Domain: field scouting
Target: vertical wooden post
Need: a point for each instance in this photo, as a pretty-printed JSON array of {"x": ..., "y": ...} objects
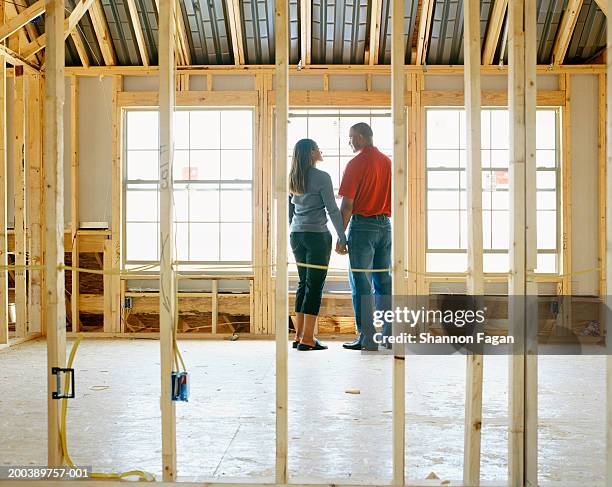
[
  {"x": 116, "y": 220},
  {"x": 215, "y": 305},
  {"x": 566, "y": 198},
  {"x": 602, "y": 176},
  {"x": 35, "y": 211},
  {"x": 74, "y": 198},
  {"x": 475, "y": 278},
  {"x": 167, "y": 281},
  {"x": 107, "y": 265},
  {"x": 281, "y": 301},
  {"x": 19, "y": 161},
  {"x": 4, "y": 332},
  {"x": 55, "y": 308},
  {"x": 608, "y": 257},
  {"x": 399, "y": 211},
  {"x": 522, "y": 312}
]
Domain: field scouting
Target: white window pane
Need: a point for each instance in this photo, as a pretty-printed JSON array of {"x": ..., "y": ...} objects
[
  {"x": 204, "y": 241},
  {"x": 500, "y": 131},
  {"x": 443, "y": 200},
  {"x": 499, "y": 158},
  {"x": 545, "y": 129},
  {"x": 463, "y": 159},
  {"x": 546, "y": 180},
  {"x": 443, "y": 229},
  {"x": 181, "y": 241},
  {"x": 181, "y": 164},
  {"x": 181, "y": 129},
  {"x": 486, "y": 199},
  {"x": 142, "y": 130},
  {"x": 443, "y": 158},
  {"x": 205, "y": 164},
  {"x": 343, "y": 163},
  {"x": 463, "y": 229},
  {"x": 546, "y": 200},
  {"x": 181, "y": 207},
  {"x": 435, "y": 262},
  {"x": 236, "y": 241},
  {"x": 142, "y": 164},
  {"x": 236, "y": 204},
  {"x": 547, "y": 263},
  {"x": 204, "y": 202},
  {"x": 331, "y": 165},
  {"x": 498, "y": 180},
  {"x": 141, "y": 206},
  {"x": 462, "y": 130},
  {"x": 325, "y": 131},
  {"x": 495, "y": 263},
  {"x": 205, "y": 129},
  {"x": 443, "y": 129},
  {"x": 236, "y": 164},
  {"x": 546, "y": 158},
  {"x": 500, "y": 232},
  {"x": 296, "y": 130},
  {"x": 443, "y": 179},
  {"x": 237, "y": 129},
  {"x": 485, "y": 129},
  {"x": 383, "y": 133},
  {"x": 500, "y": 200},
  {"x": 486, "y": 229},
  {"x": 141, "y": 241},
  {"x": 547, "y": 229}
]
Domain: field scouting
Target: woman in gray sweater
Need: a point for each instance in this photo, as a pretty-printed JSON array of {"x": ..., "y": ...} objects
[{"x": 311, "y": 196}]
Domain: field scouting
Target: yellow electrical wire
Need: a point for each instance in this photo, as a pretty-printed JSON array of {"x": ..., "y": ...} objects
[{"x": 141, "y": 474}]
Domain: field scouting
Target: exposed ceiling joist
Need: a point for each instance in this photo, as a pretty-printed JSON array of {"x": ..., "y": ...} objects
[
  {"x": 140, "y": 41},
  {"x": 375, "y": 23},
  {"x": 182, "y": 34},
  {"x": 23, "y": 36},
  {"x": 424, "y": 29},
  {"x": 306, "y": 32},
  {"x": 22, "y": 19},
  {"x": 235, "y": 25},
  {"x": 566, "y": 29},
  {"x": 603, "y": 6},
  {"x": 494, "y": 29},
  {"x": 103, "y": 35},
  {"x": 80, "y": 47},
  {"x": 69, "y": 25},
  {"x": 17, "y": 60}
]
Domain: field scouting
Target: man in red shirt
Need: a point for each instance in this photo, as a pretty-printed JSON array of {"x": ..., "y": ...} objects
[{"x": 366, "y": 203}]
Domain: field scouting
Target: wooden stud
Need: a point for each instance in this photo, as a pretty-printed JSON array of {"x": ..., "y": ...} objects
[
  {"x": 326, "y": 82},
  {"x": 22, "y": 19},
  {"x": 108, "y": 283},
  {"x": 608, "y": 261},
  {"x": 69, "y": 25},
  {"x": 306, "y": 32},
  {"x": 398, "y": 191},
  {"x": 35, "y": 207},
  {"x": 494, "y": 28},
  {"x": 602, "y": 177},
  {"x": 251, "y": 306},
  {"x": 4, "y": 331},
  {"x": 566, "y": 29},
  {"x": 55, "y": 310},
  {"x": 413, "y": 204},
  {"x": 281, "y": 302},
  {"x": 475, "y": 281},
  {"x": 74, "y": 197},
  {"x": 566, "y": 213},
  {"x": 215, "y": 305},
  {"x": 371, "y": 52},
  {"x": 117, "y": 202},
  {"x": 103, "y": 35},
  {"x": 140, "y": 41},
  {"x": 209, "y": 82},
  {"x": 167, "y": 278},
  {"x": 425, "y": 19},
  {"x": 235, "y": 26},
  {"x": 19, "y": 171}
]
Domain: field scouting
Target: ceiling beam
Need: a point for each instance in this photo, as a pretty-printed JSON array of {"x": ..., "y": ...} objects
[
  {"x": 181, "y": 34},
  {"x": 142, "y": 47},
  {"x": 76, "y": 37},
  {"x": 103, "y": 35},
  {"x": 375, "y": 23},
  {"x": 306, "y": 32},
  {"x": 603, "y": 6},
  {"x": 566, "y": 29},
  {"x": 496, "y": 20},
  {"x": 424, "y": 29},
  {"x": 235, "y": 26},
  {"x": 22, "y": 19},
  {"x": 17, "y": 60},
  {"x": 69, "y": 25},
  {"x": 26, "y": 34}
]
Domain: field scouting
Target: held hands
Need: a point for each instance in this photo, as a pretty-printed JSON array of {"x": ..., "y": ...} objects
[{"x": 341, "y": 248}]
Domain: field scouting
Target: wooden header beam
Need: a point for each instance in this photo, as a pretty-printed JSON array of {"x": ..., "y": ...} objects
[
  {"x": 566, "y": 29},
  {"x": 494, "y": 29},
  {"x": 22, "y": 19}
]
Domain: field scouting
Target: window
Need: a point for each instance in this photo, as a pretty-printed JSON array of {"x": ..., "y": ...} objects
[
  {"x": 213, "y": 185},
  {"x": 329, "y": 128},
  {"x": 446, "y": 190}
]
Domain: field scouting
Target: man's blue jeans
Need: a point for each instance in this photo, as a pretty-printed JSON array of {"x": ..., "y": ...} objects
[{"x": 369, "y": 241}]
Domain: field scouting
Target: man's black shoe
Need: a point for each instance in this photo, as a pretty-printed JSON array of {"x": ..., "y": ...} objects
[{"x": 354, "y": 345}]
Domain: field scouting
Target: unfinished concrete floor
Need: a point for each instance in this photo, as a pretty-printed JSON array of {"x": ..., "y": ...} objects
[{"x": 226, "y": 430}]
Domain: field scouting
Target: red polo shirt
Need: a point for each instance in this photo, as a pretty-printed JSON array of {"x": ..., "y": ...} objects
[{"x": 367, "y": 181}]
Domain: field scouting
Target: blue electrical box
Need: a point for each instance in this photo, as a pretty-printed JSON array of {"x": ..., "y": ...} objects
[{"x": 180, "y": 386}]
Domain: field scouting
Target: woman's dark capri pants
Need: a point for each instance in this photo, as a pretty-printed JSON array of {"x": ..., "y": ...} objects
[{"x": 310, "y": 248}]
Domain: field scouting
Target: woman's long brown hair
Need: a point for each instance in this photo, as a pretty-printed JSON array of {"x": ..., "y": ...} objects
[{"x": 301, "y": 163}]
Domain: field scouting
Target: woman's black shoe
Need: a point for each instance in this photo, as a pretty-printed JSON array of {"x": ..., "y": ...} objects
[
  {"x": 317, "y": 346},
  {"x": 296, "y": 343}
]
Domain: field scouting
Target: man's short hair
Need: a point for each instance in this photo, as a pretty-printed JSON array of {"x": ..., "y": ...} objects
[{"x": 363, "y": 129}]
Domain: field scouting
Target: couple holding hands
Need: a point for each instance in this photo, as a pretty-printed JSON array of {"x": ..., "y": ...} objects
[{"x": 365, "y": 209}]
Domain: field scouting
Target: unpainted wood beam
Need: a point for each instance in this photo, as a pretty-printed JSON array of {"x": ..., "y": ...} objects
[
  {"x": 235, "y": 25},
  {"x": 98, "y": 19},
  {"x": 494, "y": 29},
  {"x": 22, "y": 19},
  {"x": 566, "y": 29},
  {"x": 140, "y": 41},
  {"x": 375, "y": 23},
  {"x": 424, "y": 28}
]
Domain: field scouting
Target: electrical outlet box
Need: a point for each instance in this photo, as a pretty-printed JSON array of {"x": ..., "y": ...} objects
[{"x": 127, "y": 302}]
